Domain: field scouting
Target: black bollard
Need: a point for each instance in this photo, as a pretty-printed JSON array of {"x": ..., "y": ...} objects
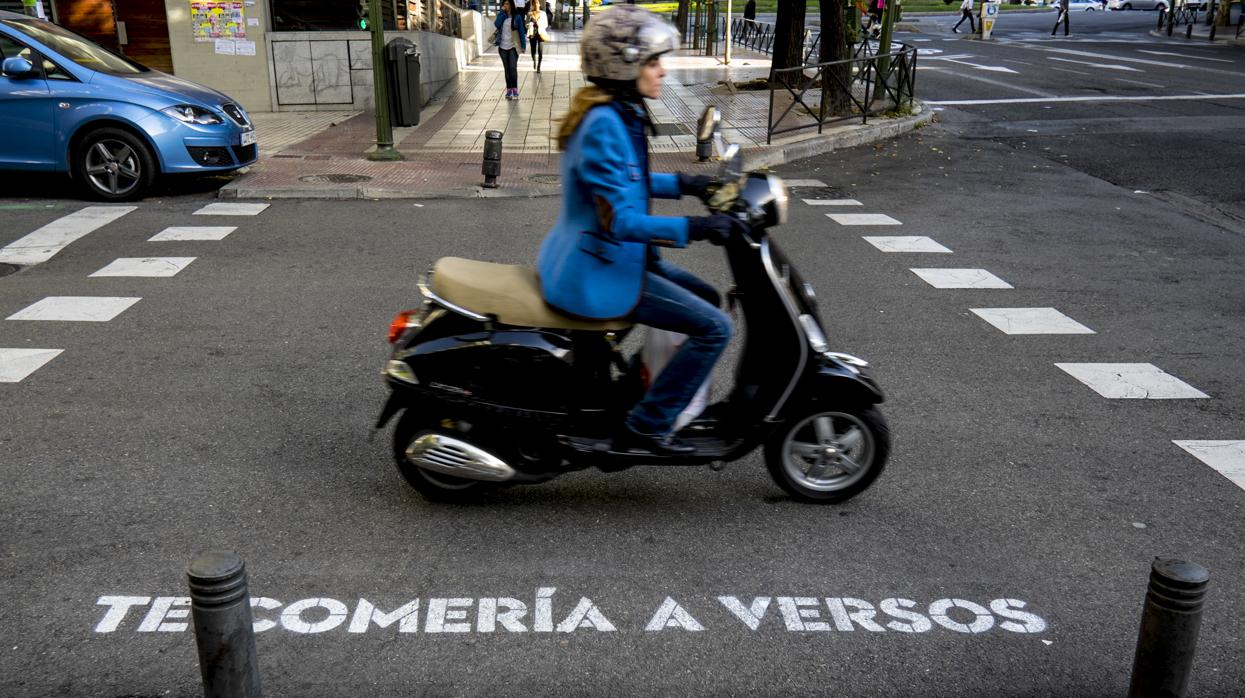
[
  {"x": 492, "y": 158},
  {"x": 1170, "y": 622},
  {"x": 221, "y": 609}
]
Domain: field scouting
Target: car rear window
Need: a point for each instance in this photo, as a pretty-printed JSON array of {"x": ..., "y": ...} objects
[{"x": 78, "y": 49}]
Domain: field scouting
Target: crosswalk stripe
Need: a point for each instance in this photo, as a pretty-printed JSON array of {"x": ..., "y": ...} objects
[
  {"x": 1030, "y": 321},
  {"x": 907, "y": 243},
  {"x": 960, "y": 278},
  {"x": 191, "y": 232},
  {"x": 1131, "y": 381},
  {"x": 145, "y": 266},
  {"x": 804, "y": 183},
  {"x": 832, "y": 202},
  {"x": 1226, "y": 457},
  {"x": 44, "y": 243},
  {"x": 17, "y": 364},
  {"x": 75, "y": 308},
  {"x": 862, "y": 219},
  {"x": 228, "y": 209}
]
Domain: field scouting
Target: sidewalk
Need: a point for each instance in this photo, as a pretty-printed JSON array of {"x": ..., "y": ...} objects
[
  {"x": 1201, "y": 32},
  {"x": 444, "y": 152}
]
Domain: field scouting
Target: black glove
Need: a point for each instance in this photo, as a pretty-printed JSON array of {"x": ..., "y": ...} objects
[
  {"x": 702, "y": 187},
  {"x": 717, "y": 228}
]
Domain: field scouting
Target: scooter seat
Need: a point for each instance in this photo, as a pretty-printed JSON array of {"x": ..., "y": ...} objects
[{"x": 508, "y": 292}]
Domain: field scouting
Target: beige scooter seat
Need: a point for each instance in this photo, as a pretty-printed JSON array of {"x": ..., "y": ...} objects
[{"x": 509, "y": 292}]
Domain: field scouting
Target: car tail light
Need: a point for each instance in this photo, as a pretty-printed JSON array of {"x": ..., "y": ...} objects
[{"x": 403, "y": 321}]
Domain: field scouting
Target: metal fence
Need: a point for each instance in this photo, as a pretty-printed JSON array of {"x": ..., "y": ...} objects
[
  {"x": 870, "y": 84},
  {"x": 759, "y": 36}
]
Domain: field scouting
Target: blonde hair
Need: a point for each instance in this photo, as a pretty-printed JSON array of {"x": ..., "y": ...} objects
[{"x": 586, "y": 98}]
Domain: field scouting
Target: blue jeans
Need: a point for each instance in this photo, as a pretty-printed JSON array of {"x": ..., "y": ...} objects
[{"x": 676, "y": 300}]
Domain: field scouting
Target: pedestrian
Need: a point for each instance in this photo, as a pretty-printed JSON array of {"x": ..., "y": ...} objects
[
  {"x": 876, "y": 8},
  {"x": 750, "y": 18},
  {"x": 537, "y": 33},
  {"x": 549, "y": 13},
  {"x": 1062, "y": 6},
  {"x": 966, "y": 12},
  {"x": 511, "y": 38},
  {"x": 601, "y": 260}
]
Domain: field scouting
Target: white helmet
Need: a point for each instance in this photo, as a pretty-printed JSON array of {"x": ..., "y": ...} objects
[{"x": 618, "y": 41}]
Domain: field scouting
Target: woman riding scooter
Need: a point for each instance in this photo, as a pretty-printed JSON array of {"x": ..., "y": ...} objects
[{"x": 601, "y": 260}]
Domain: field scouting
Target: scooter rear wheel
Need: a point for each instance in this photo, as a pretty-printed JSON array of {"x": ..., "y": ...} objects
[
  {"x": 829, "y": 455},
  {"x": 434, "y": 486}
]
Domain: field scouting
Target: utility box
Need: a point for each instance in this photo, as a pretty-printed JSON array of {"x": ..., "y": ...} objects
[{"x": 402, "y": 78}]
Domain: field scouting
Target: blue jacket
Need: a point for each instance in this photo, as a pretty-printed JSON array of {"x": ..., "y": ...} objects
[
  {"x": 592, "y": 263},
  {"x": 520, "y": 26}
]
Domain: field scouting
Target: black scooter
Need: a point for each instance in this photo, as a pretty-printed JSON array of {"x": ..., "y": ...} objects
[{"x": 495, "y": 387}]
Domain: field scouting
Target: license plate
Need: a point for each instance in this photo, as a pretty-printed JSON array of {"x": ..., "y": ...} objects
[{"x": 248, "y": 138}]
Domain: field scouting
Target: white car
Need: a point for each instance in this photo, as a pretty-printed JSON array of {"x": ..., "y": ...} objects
[
  {"x": 1159, "y": 5},
  {"x": 1084, "y": 6}
]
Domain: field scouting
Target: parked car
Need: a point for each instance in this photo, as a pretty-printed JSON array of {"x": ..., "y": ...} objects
[
  {"x": 1159, "y": 5},
  {"x": 70, "y": 105},
  {"x": 1084, "y": 6}
]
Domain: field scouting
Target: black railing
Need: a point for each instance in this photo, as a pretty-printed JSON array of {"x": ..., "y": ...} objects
[
  {"x": 759, "y": 36},
  {"x": 867, "y": 85}
]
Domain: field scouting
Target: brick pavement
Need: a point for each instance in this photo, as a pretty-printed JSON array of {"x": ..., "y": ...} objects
[{"x": 444, "y": 152}]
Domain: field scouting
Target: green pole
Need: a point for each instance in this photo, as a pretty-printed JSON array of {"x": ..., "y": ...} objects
[
  {"x": 884, "y": 41},
  {"x": 384, "y": 131}
]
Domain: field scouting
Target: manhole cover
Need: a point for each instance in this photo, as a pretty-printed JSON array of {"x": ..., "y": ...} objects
[
  {"x": 6, "y": 269},
  {"x": 334, "y": 178},
  {"x": 545, "y": 179}
]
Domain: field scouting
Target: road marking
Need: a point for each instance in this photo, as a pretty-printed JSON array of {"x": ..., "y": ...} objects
[
  {"x": 145, "y": 266},
  {"x": 1143, "y": 61},
  {"x": 44, "y": 243},
  {"x": 1086, "y": 98},
  {"x": 231, "y": 210},
  {"x": 862, "y": 219},
  {"x": 1141, "y": 82},
  {"x": 960, "y": 278},
  {"x": 75, "y": 308},
  {"x": 1131, "y": 381},
  {"x": 1226, "y": 457},
  {"x": 959, "y": 60},
  {"x": 1104, "y": 66},
  {"x": 804, "y": 183},
  {"x": 907, "y": 243},
  {"x": 17, "y": 364},
  {"x": 192, "y": 233},
  {"x": 1181, "y": 55},
  {"x": 832, "y": 202},
  {"x": 1030, "y": 321},
  {"x": 1069, "y": 70}
]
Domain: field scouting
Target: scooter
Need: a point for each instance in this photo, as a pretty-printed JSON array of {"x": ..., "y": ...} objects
[{"x": 497, "y": 388}]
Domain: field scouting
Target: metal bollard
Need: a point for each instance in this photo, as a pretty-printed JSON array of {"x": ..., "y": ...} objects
[
  {"x": 1170, "y": 622},
  {"x": 492, "y": 158},
  {"x": 221, "y": 609}
]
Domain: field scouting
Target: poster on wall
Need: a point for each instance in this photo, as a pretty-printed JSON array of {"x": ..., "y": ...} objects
[{"x": 217, "y": 19}]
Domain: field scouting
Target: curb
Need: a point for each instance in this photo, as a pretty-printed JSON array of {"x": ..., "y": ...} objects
[{"x": 754, "y": 158}]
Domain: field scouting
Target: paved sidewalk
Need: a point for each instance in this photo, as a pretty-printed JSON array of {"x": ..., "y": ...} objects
[{"x": 444, "y": 152}]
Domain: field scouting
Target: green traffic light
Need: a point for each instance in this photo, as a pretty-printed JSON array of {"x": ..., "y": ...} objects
[{"x": 362, "y": 23}]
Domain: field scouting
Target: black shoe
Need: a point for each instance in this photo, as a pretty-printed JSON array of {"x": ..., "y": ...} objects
[{"x": 670, "y": 445}]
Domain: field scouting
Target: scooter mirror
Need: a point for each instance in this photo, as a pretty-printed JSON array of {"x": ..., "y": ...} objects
[{"x": 710, "y": 124}]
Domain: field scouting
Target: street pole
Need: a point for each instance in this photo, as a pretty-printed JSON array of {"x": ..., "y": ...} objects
[
  {"x": 384, "y": 132},
  {"x": 729, "y": 12},
  {"x": 884, "y": 41}
]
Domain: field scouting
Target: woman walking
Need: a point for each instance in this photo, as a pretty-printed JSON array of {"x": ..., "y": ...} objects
[
  {"x": 601, "y": 259},
  {"x": 537, "y": 32},
  {"x": 511, "y": 38}
]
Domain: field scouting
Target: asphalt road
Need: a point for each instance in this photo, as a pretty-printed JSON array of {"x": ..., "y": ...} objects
[{"x": 231, "y": 406}]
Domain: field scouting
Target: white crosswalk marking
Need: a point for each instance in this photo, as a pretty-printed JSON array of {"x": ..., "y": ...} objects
[
  {"x": 179, "y": 233},
  {"x": 145, "y": 266},
  {"x": 832, "y": 202},
  {"x": 862, "y": 219},
  {"x": 960, "y": 278},
  {"x": 1031, "y": 321},
  {"x": 17, "y": 364},
  {"x": 906, "y": 243},
  {"x": 44, "y": 243},
  {"x": 1131, "y": 381},
  {"x": 1107, "y": 66},
  {"x": 804, "y": 183},
  {"x": 1226, "y": 457},
  {"x": 75, "y": 308},
  {"x": 222, "y": 209}
]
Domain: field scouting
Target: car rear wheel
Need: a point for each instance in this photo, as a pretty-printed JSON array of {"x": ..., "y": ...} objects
[{"x": 114, "y": 165}]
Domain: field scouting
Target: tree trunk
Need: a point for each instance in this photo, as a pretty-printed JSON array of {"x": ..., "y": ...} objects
[
  {"x": 680, "y": 18},
  {"x": 836, "y": 81},
  {"x": 789, "y": 39}
]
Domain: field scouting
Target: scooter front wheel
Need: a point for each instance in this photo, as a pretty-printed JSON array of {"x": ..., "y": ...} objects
[
  {"x": 433, "y": 485},
  {"x": 831, "y": 455}
]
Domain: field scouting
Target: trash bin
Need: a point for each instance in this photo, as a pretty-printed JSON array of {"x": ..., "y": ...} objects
[{"x": 402, "y": 79}]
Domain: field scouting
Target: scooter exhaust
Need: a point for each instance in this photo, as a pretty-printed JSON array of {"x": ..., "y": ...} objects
[{"x": 449, "y": 456}]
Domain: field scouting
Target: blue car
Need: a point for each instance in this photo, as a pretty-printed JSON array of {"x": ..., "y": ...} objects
[{"x": 70, "y": 105}]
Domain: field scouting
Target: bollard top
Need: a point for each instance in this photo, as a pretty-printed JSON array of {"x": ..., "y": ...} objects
[
  {"x": 1180, "y": 572},
  {"x": 215, "y": 566},
  {"x": 493, "y": 134}
]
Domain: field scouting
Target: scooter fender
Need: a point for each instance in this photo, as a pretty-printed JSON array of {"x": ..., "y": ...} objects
[{"x": 838, "y": 379}]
